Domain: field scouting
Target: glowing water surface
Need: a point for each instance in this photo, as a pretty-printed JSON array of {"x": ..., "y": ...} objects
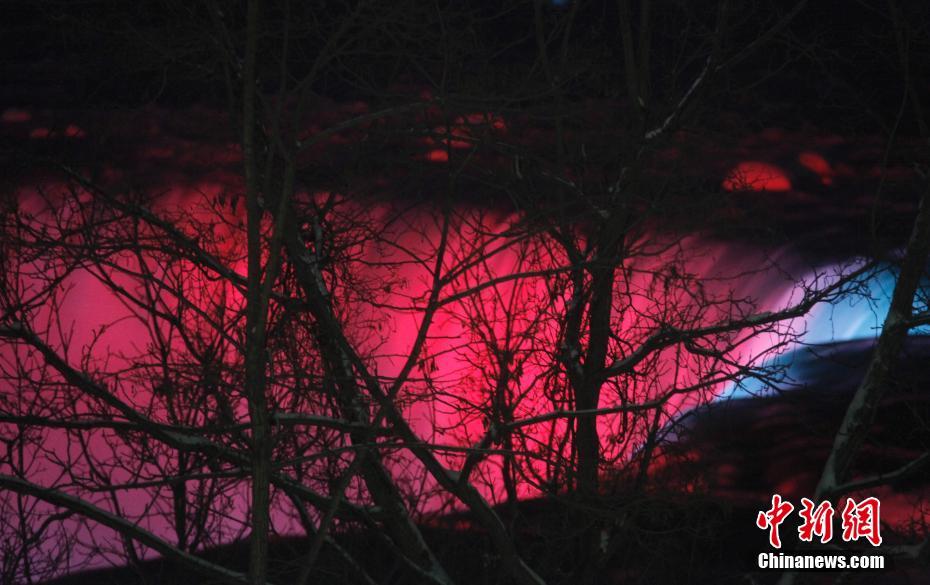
[{"x": 448, "y": 399}]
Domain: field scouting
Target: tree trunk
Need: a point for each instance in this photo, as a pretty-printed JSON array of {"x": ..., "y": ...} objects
[{"x": 861, "y": 411}]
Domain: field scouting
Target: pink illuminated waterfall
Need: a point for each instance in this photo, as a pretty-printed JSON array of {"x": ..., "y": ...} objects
[{"x": 498, "y": 318}]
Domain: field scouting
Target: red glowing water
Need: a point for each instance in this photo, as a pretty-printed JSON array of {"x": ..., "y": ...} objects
[
  {"x": 756, "y": 176},
  {"x": 449, "y": 397}
]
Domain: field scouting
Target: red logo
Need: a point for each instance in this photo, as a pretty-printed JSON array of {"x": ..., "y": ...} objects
[
  {"x": 817, "y": 521},
  {"x": 773, "y": 518},
  {"x": 860, "y": 520}
]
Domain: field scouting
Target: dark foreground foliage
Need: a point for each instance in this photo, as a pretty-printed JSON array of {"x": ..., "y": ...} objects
[{"x": 728, "y": 459}]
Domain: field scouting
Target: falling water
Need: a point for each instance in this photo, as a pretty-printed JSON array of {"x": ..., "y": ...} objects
[{"x": 448, "y": 392}]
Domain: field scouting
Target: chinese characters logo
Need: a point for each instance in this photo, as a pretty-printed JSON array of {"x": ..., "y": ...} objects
[{"x": 859, "y": 520}]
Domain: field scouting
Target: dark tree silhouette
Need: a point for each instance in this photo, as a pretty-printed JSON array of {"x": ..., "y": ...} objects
[{"x": 446, "y": 264}]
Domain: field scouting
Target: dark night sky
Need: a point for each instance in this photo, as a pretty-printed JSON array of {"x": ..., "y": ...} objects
[{"x": 832, "y": 73}]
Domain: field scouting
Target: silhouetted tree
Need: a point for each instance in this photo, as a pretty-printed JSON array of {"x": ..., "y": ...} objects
[{"x": 288, "y": 328}]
